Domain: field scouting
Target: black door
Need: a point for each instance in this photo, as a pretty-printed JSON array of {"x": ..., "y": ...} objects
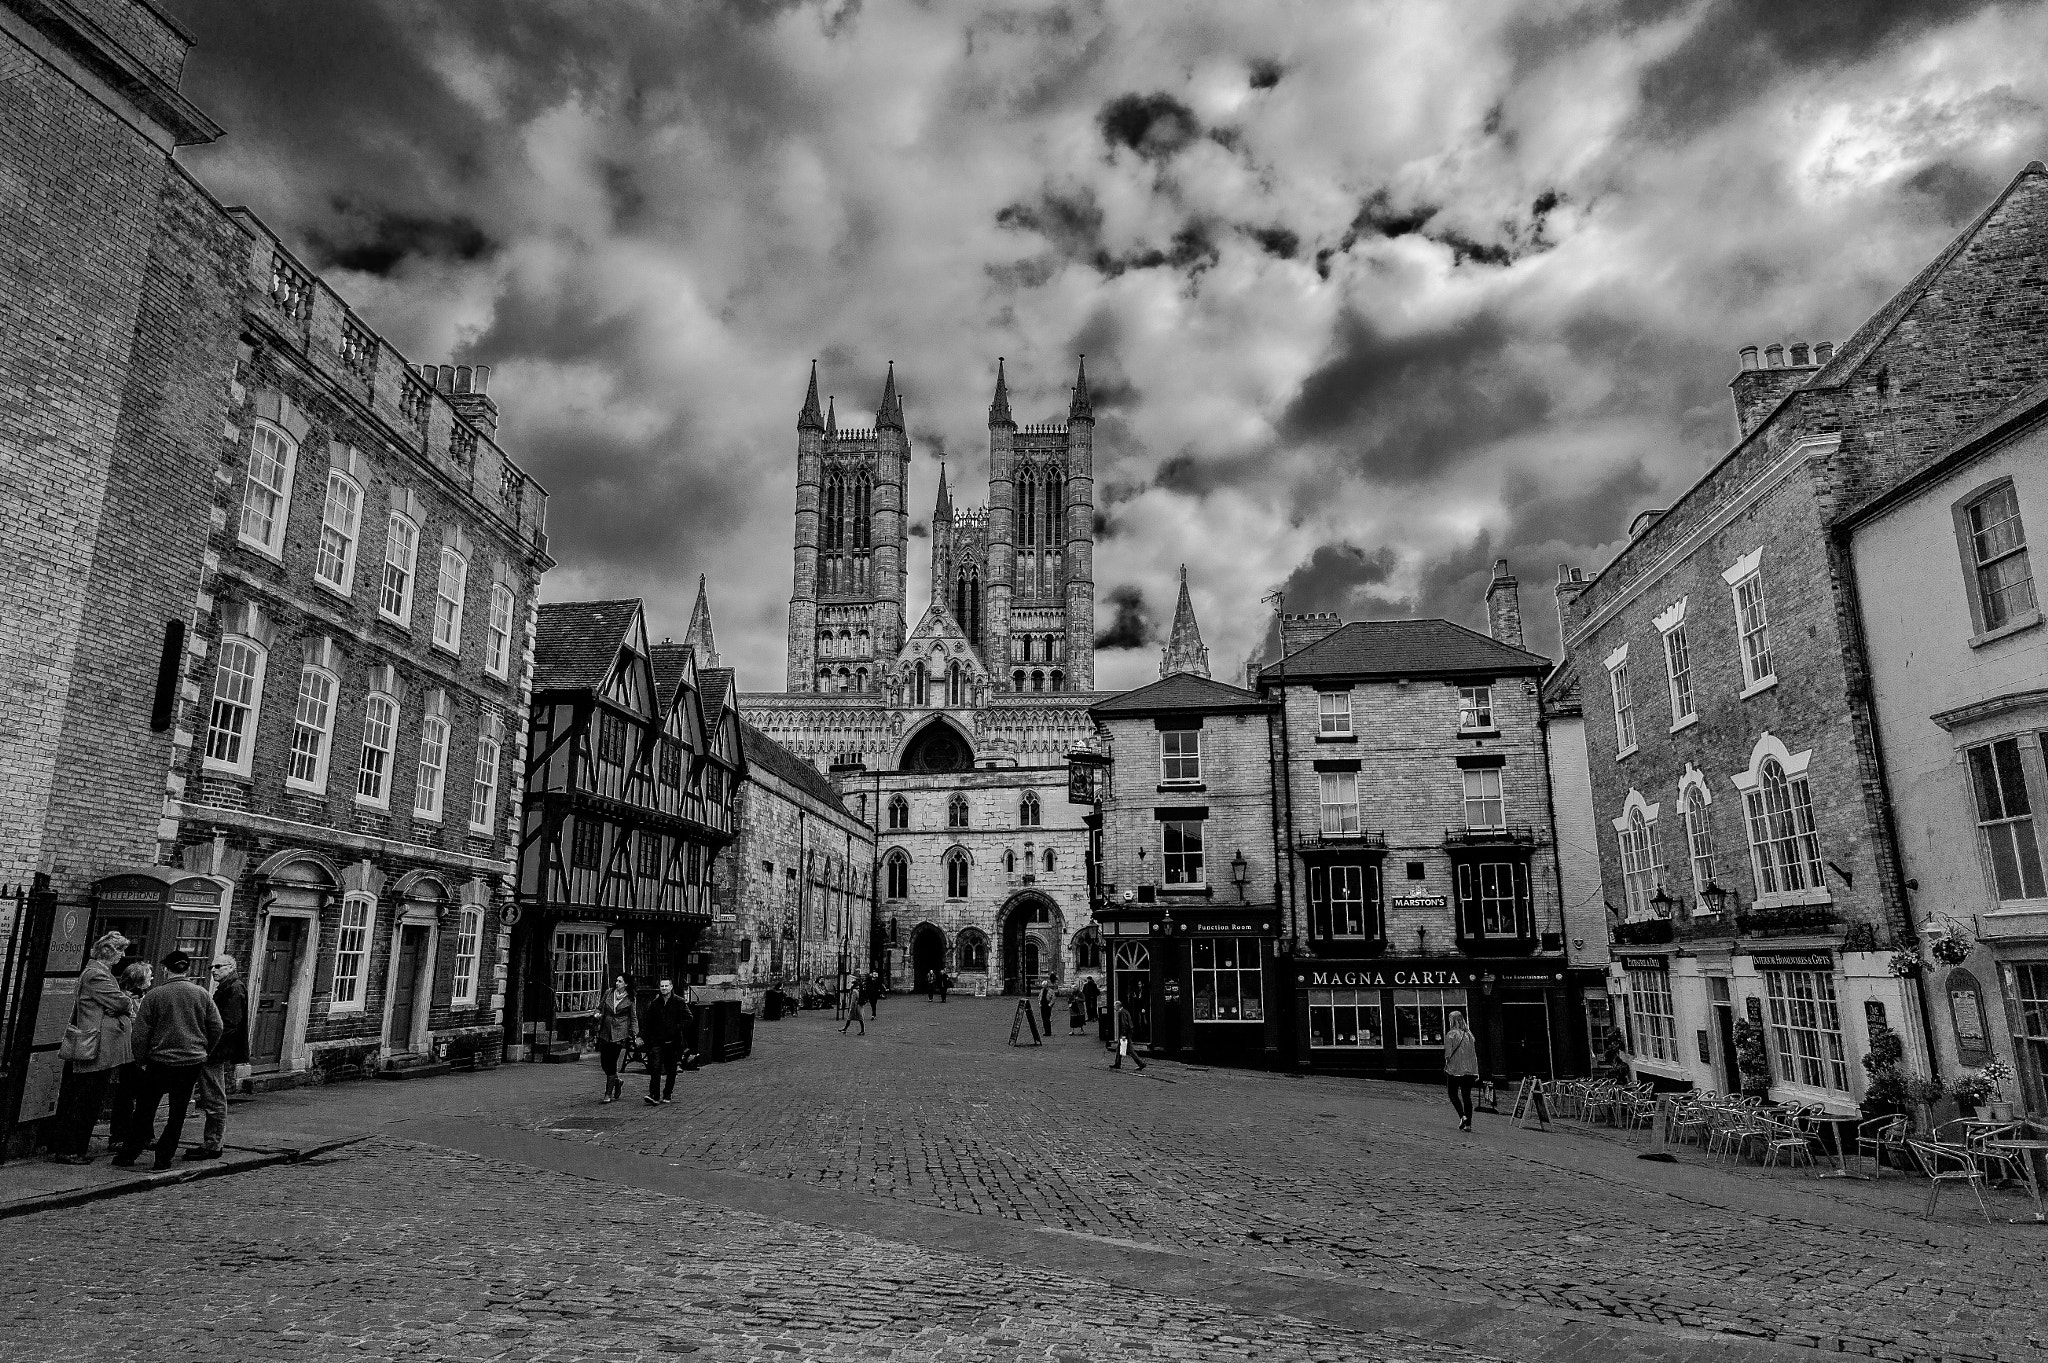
[
  {"x": 412, "y": 950},
  {"x": 274, "y": 976},
  {"x": 1133, "y": 965},
  {"x": 1724, "y": 1024},
  {"x": 927, "y": 954},
  {"x": 1525, "y": 1038}
]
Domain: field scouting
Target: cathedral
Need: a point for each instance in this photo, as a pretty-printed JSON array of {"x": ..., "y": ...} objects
[{"x": 950, "y": 736}]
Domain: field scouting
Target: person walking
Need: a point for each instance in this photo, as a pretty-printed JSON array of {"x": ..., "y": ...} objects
[
  {"x": 220, "y": 1073},
  {"x": 1091, "y": 994},
  {"x": 1045, "y": 1009},
  {"x": 661, "y": 1028},
  {"x": 874, "y": 996},
  {"x": 176, "y": 1028},
  {"x": 616, "y": 1029},
  {"x": 96, "y": 1044},
  {"x": 1461, "y": 1066},
  {"x": 850, "y": 996},
  {"x": 1124, "y": 1046},
  {"x": 945, "y": 985},
  {"x": 1077, "y": 1019}
]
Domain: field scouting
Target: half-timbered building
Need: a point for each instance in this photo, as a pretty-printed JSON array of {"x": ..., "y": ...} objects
[{"x": 629, "y": 795}]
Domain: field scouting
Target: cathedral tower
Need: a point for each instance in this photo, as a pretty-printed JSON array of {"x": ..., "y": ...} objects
[
  {"x": 1184, "y": 651},
  {"x": 846, "y": 602}
]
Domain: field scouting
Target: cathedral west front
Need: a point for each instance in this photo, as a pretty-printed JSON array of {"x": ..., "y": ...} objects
[{"x": 950, "y": 735}]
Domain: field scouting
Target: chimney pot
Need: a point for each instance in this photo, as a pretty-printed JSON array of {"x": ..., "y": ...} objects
[
  {"x": 1774, "y": 356},
  {"x": 1749, "y": 357},
  {"x": 1824, "y": 352},
  {"x": 482, "y": 378},
  {"x": 1799, "y": 355},
  {"x": 462, "y": 378}
]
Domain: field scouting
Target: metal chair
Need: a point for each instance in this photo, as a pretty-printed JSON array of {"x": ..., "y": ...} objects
[
  {"x": 1945, "y": 1163},
  {"x": 1793, "y": 1140},
  {"x": 1880, "y": 1136},
  {"x": 2006, "y": 1162}
]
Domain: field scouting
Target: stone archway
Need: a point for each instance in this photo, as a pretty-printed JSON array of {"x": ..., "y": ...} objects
[
  {"x": 939, "y": 745},
  {"x": 927, "y": 953},
  {"x": 1033, "y": 929}
]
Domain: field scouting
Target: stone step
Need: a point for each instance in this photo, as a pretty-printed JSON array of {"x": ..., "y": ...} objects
[{"x": 409, "y": 1069}]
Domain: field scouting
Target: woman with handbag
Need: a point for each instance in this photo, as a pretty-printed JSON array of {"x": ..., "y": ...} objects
[
  {"x": 132, "y": 1092},
  {"x": 617, "y": 1028},
  {"x": 95, "y": 1044}
]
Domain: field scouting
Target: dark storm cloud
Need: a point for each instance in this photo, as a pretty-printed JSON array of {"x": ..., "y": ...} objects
[
  {"x": 1331, "y": 576},
  {"x": 1954, "y": 193},
  {"x": 377, "y": 242},
  {"x": 632, "y": 502},
  {"x": 1404, "y": 408},
  {"x": 1265, "y": 73},
  {"x": 1155, "y": 126},
  {"x": 1276, "y": 241},
  {"x": 1129, "y": 627}
]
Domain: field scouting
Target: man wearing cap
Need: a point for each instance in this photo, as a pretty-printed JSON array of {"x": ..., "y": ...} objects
[
  {"x": 223, "y": 1063},
  {"x": 176, "y": 1029}
]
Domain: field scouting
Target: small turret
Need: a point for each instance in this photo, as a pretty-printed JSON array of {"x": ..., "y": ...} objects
[
  {"x": 889, "y": 416},
  {"x": 832, "y": 415},
  {"x": 999, "y": 405},
  {"x": 943, "y": 511},
  {"x": 1083, "y": 406},
  {"x": 810, "y": 419}
]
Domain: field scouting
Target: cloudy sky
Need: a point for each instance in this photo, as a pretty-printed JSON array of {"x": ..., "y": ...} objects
[{"x": 1372, "y": 293}]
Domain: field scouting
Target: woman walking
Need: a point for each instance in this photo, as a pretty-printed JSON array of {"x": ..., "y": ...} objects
[
  {"x": 1461, "y": 1067},
  {"x": 617, "y": 1029},
  {"x": 1045, "y": 1009},
  {"x": 95, "y": 1045}
]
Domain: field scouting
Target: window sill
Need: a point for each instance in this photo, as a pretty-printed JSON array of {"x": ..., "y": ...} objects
[
  {"x": 403, "y": 622},
  {"x": 1629, "y": 751},
  {"x": 439, "y": 647},
  {"x": 1757, "y": 687},
  {"x": 374, "y": 806},
  {"x": 343, "y": 1009},
  {"x": 1686, "y": 723},
  {"x": 503, "y": 680},
  {"x": 420, "y": 817},
  {"x": 1480, "y": 733},
  {"x": 484, "y": 831},
  {"x": 295, "y": 787},
  {"x": 255, "y": 546},
  {"x": 1176, "y": 786},
  {"x": 1792, "y": 899},
  {"x": 2012, "y": 626},
  {"x": 1186, "y": 889},
  {"x": 332, "y": 589},
  {"x": 1336, "y": 738},
  {"x": 211, "y": 767}
]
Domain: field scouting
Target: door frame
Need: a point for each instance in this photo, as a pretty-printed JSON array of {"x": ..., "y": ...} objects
[
  {"x": 292, "y": 1053},
  {"x": 1542, "y": 1001},
  {"x": 421, "y": 916}
]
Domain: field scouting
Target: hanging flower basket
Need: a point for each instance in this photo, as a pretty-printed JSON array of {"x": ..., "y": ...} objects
[
  {"x": 1949, "y": 950},
  {"x": 1905, "y": 965}
]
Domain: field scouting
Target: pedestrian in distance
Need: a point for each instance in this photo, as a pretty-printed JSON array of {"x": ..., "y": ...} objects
[
  {"x": 1091, "y": 993},
  {"x": 176, "y": 1029},
  {"x": 850, "y": 997},
  {"x": 617, "y": 1027},
  {"x": 661, "y": 1028},
  {"x": 945, "y": 984},
  {"x": 1123, "y": 1039},
  {"x": 1077, "y": 1018},
  {"x": 225, "y": 1062},
  {"x": 931, "y": 985},
  {"x": 874, "y": 983},
  {"x": 1461, "y": 1066},
  {"x": 1045, "y": 1009},
  {"x": 132, "y": 1099},
  {"x": 96, "y": 1044}
]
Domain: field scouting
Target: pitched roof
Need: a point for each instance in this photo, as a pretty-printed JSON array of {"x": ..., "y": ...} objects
[
  {"x": 669, "y": 666},
  {"x": 765, "y": 754},
  {"x": 713, "y": 683},
  {"x": 575, "y": 642},
  {"x": 1560, "y": 690},
  {"x": 1403, "y": 648},
  {"x": 1183, "y": 692}
]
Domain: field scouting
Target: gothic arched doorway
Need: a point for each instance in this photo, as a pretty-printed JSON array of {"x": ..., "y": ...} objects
[
  {"x": 1032, "y": 932},
  {"x": 927, "y": 953},
  {"x": 938, "y": 746}
]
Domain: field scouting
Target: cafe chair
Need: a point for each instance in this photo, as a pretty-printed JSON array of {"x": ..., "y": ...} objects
[
  {"x": 2006, "y": 1163},
  {"x": 1789, "y": 1141},
  {"x": 1881, "y": 1136},
  {"x": 1945, "y": 1163}
]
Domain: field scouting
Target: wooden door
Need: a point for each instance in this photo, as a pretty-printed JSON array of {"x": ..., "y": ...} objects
[
  {"x": 282, "y": 949},
  {"x": 1525, "y": 1038},
  {"x": 412, "y": 950}
]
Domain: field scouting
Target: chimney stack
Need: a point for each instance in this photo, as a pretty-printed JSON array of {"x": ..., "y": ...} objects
[
  {"x": 1297, "y": 632},
  {"x": 1759, "y": 388},
  {"x": 1570, "y": 582},
  {"x": 1504, "y": 606},
  {"x": 464, "y": 386}
]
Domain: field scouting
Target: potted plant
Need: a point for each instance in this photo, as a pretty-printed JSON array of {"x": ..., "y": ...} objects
[
  {"x": 1752, "y": 1063},
  {"x": 1971, "y": 1090},
  {"x": 1905, "y": 965},
  {"x": 1892, "y": 1088},
  {"x": 1997, "y": 1074}
]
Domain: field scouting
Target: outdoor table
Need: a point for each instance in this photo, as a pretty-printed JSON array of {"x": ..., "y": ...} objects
[
  {"x": 1834, "y": 1123},
  {"x": 2028, "y": 1151}
]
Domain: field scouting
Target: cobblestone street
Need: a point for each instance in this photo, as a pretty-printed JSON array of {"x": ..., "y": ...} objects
[{"x": 927, "y": 1192}]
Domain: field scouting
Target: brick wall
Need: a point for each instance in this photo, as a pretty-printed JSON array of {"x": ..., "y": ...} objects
[{"x": 1236, "y": 769}]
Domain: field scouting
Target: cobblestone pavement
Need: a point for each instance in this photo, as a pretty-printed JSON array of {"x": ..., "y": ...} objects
[{"x": 1285, "y": 1183}]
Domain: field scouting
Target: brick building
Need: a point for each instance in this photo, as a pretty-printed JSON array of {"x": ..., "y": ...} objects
[
  {"x": 1422, "y": 875},
  {"x": 1742, "y": 805},
  {"x": 1192, "y": 917}
]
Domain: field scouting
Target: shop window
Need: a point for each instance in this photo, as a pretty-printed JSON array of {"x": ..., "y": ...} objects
[
  {"x": 1649, "y": 993},
  {"x": 1229, "y": 980},
  {"x": 1344, "y": 901},
  {"x": 351, "y": 953},
  {"x": 469, "y": 934},
  {"x": 1806, "y": 1029},
  {"x": 1345, "y": 1019},
  {"x": 579, "y": 966},
  {"x": 1419, "y": 1016}
]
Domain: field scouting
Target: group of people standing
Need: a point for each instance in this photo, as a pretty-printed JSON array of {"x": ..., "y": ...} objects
[
  {"x": 151, "y": 1041},
  {"x": 663, "y": 1033}
]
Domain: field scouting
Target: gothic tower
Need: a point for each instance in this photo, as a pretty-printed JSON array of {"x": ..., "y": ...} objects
[{"x": 846, "y": 604}]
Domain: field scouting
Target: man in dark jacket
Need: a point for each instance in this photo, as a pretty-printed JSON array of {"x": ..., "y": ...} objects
[
  {"x": 217, "y": 1077},
  {"x": 662, "y": 1029},
  {"x": 176, "y": 1029}
]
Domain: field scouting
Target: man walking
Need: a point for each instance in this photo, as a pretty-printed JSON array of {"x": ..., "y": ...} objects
[
  {"x": 176, "y": 1029},
  {"x": 874, "y": 996},
  {"x": 661, "y": 1028},
  {"x": 1045, "y": 1009},
  {"x": 850, "y": 997},
  {"x": 1124, "y": 1045},
  {"x": 223, "y": 1063},
  {"x": 945, "y": 985},
  {"x": 1090, "y": 992}
]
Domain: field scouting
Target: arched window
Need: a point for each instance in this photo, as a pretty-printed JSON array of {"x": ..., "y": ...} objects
[
  {"x": 899, "y": 812},
  {"x": 845, "y": 679},
  {"x": 1038, "y": 681},
  {"x": 1051, "y": 498},
  {"x": 973, "y": 950},
  {"x": 1059, "y": 681},
  {"x": 954, "y": 685},
  {"x": 1027, "y": 503},
  {"x": 1009, "y": 862},
  {"x": 1699, "y": 839},
  {"x": 1027, "y": 809},
  {"x": 897, "y": 874},
  {"x": 1017, "y": 680},
  {"x": 1640, "y": 871},
  {"x": 956, "y": 812},
  {"x": 1088, "y": 949},
  {"x": 1783, "y": 846},
  {"x": 860, "y": 679},
  {"x": 956, "y": 874},
  {"x": 1048, "y": 861},
  {"x": 920, "y": 684}
]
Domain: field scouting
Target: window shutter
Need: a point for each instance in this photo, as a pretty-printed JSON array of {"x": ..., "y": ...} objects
[
  {"x": 323, "y": 932},
  {"x": 443, "y": 993},
  {"x": 1466, "y": 924}
]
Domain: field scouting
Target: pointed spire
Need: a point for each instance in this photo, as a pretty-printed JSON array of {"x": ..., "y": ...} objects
[
  {"x": 809, "y": 419},
  {"x": 1184, "y": 651},
  {"x": 999, "y": 406},
  {"x": 832, "y": 415},
  {"x": 889, "y": 416},
  {"x": 944, "y": 510},
  {"x": 1083, "y": 406},
  {"x": 698, "y": 640}
]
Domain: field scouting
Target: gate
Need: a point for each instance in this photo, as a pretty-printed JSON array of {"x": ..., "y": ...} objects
[{"x": 28, "y": 1076}]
